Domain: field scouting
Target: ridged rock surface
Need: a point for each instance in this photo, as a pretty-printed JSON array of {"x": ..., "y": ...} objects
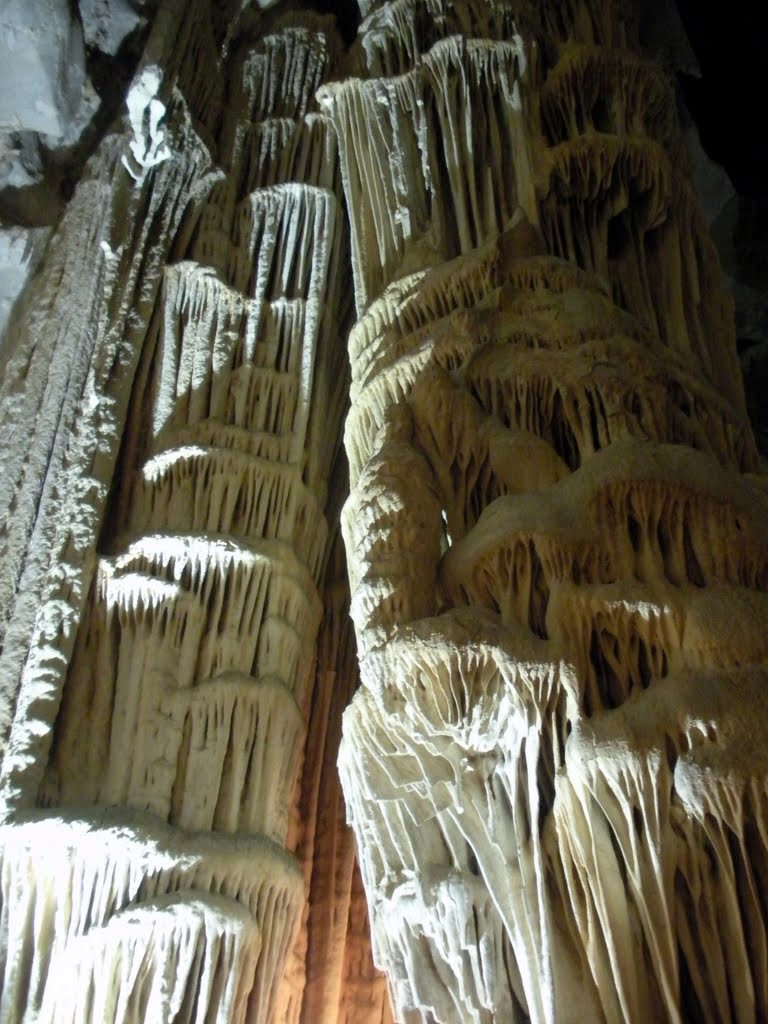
[
  {"x": 172, "y": 407},
  {"x": 555, "y": 588},
  {"x": 555, "y": 766}
]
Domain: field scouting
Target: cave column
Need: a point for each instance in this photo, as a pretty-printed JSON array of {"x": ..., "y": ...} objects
[{"x": 553, "y": 516}]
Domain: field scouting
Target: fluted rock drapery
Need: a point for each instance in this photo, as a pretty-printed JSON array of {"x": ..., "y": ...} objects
[
  {"x": 188, "y": 323},
  {"x": 555, "y": 766}
]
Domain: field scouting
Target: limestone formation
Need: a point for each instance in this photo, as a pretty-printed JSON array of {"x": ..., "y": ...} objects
[
  {"x": 172, "y": 405},
  {"x": 555, "y": 766},
  {"x": 555, "y": 589},
  {"x": 42, "y": 56}
]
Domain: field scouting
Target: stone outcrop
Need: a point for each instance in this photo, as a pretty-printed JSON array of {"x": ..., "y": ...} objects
[{"x": 556, "y": 574}]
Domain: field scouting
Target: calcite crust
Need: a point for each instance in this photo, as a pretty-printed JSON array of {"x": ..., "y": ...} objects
[{"x": 544, "y": 559}]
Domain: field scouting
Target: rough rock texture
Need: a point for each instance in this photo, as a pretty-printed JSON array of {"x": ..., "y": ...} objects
[
  {"x": 107, "y": 23},
  {"x": 555, "y": 766},
  {"x": 42, "y": 56},
  {"x": 171, "y": 406},
  {"x": 555, "y": 534}
]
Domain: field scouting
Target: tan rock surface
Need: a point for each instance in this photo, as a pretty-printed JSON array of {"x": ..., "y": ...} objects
[
  {"x": 555, "y": 765},
  {"x": 556, "y": 573}
]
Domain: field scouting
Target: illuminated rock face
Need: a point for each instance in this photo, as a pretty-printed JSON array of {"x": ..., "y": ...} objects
[
  {"x": 556, "y": 543},
  {"x": 556, "y": 764},
  {"x": 185, "y": 345}
]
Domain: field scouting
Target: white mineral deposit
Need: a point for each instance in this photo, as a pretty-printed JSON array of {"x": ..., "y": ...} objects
[{"x": 536, "y": 588}]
